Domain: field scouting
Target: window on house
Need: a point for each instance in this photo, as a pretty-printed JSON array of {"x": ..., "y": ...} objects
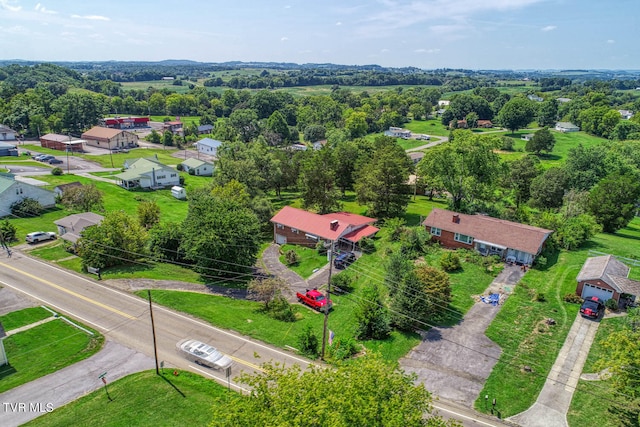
[
  {"x": 280, "y": 226},
  {"x": 161, "y": 176},
  {"x": 173, "y": 175},
  {"x": 435, "y": 231},
  {"x": 294, "y": 230},
  {"x": 462, "y": 238}
]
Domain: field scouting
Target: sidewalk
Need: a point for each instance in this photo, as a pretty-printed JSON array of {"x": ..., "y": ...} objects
[{"x": 552, "y": 405}]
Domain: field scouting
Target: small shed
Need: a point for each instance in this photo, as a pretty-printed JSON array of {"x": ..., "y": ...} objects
[{"x": 178, "y": 192}]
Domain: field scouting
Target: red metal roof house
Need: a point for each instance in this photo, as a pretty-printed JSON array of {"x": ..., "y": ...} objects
[{"x": 300, "y": 227}]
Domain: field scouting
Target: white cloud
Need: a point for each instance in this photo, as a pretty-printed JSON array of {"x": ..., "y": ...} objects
[
  {"x": 610, "y": 41},
  {"x": 384, "y": 50},
  {"x": 284, "y": 39},
  {"x": 40, "y": 8},
  {"x": 288, "y": 6},
  {"x": 338, "y": 23},
  {"x": 8, "y": 5},
  {"x": 548, "y": 28},
  {"x": 16, "y": 29},
  {"x": 420, "y": 50},
  {"x": 91, "y": 17}
]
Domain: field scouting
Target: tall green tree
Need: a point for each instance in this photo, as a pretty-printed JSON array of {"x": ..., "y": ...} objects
[
  {"x": 318, "y": 182},
  {"x": 381, "y": 184},
  {"x": 364, "y": 392},
  {"x": 522, "y": 172},
  {"x": 613, "y": 201},
  {"x": 221, "y": 236},
  {"x": 548, "y": 188},
  {"x": 516, "y": 114},
  {"x": 548, "y": 113},
  {"x": 148, "y": 214},
  {"x": 84, "y": 198},
  {"x": 118, "y": 239},
  {"x": 466, "y": 167},
  {"x": 277, "y": 124},
  {"x": 543, "y": 140}
]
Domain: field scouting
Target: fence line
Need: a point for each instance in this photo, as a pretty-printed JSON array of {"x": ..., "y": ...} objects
[{"x": 628, "y": 261}]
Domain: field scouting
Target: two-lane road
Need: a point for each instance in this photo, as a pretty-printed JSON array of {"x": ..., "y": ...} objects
[{"x": 125, "y": 318}]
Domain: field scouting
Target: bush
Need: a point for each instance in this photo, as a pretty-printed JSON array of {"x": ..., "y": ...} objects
[
  {"x": 611, "y": 304},
  {"x": 342, "y": 282},
  {"x": 450, "y": 261},
  {"x": 280, "y": 309},
  {"x": 507, "y": 143},
  {"x": 56, "y": 171},
  {"x": 572, "y": 299},
  {"x": 8, "y": 231},
  {"x": 343, "y": 348},
  {"x": 541, "y": 261},
  {"x": 321, "y": 248},
  {"x": 180, "y": 167},
  {"x": 308, "y": 342},
  {"x": 367, "y": 245},
  {"x": 192, "y": 172},
  {"x": 26, "y": 208},
  {"x": 292, "y": 257}
]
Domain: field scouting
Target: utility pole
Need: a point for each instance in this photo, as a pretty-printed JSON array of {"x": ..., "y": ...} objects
[
  {"x": 153, "y": 331},
  {"x": 326, "y": 312}
]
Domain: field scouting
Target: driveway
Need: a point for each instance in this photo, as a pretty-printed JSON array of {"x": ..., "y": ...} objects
[
  {"x": 552, "y": 405},
  {"x": 271, "y": 261},
  {"x": 454, "y": 363},
  {"x": 68, "y": 384}
]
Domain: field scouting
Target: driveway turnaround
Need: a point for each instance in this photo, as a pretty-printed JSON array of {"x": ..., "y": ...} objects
[
  {"x": 454, "y": 363},
  {"x": 31, "y": 400},
  {"x": 271, "y": 261},
  {"x": 552, "y": 405}
]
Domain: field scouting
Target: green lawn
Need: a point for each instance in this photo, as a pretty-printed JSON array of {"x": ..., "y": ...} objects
[
  {"x": 309, "y": 259},
  {"x": 187, "y": 120},
  {"x": 44, "y": 349},
  {"x": 52, "y": 252},
  {"x": 557, "y": 157},
  {"x": 428, "y": 127},
  {"x": 595, "y": 399},
  {"x": 143, "y": 399},
  {"x": 26, "y": 316},
  {"x": 519, "y": 328}
]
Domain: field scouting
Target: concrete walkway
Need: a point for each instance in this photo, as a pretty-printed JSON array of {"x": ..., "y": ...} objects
[
  {"x": 552, "y": 405},
  {"x": 271, "y": 261},
  {"x": 454, "y": 363},
  {"x": 31, "y": 325},
  {"x": 66, "y": 385}
]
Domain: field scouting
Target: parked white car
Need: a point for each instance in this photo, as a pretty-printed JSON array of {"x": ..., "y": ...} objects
[
  {"x": 40, "y": 236},
  {"x": 203, "y": 354},
  {"x": 424, "y": 137}
]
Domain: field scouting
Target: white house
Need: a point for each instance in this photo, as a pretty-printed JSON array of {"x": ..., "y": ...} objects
[
  {"x": 147, "y": 173},
  {"x": 566, "y": 127},
  {"x": 444, "y": 103},
  {"x": 208, "y": 146},
  {"x": 12, "y": 191},
  {"x": 535, "y": 98},
  {"x": 398, "y": 133},
  {"x": 7, "y": 134},
  {"x": 199, "y": 167},
  {"x": 626, "y": 114}
]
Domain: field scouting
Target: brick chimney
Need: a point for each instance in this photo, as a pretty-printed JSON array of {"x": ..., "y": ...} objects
[
  {"x": 334, "y": 224},
  {"x": 456, "y": 219}
]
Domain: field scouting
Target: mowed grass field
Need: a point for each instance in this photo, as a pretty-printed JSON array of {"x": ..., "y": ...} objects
[{"x": 142, "y": 399}]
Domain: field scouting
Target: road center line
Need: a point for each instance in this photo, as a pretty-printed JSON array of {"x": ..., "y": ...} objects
[{"x": 72, "y": 293}]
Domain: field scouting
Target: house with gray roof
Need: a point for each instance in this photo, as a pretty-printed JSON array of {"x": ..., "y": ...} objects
[
  {"x": 60, "y": 189},
  {"x": 208, "y": 146},
  {"x": 606, "y": 277},
  {"x": 147, "y": 173},
  {"x": 204, "y": 129},
  {"x": 7, "y": 134},
  {"x": 8, "y": 149},
  {"x": 12, "y": 191},
  {"x": 199, "y": 167},
  {"x": 566, "y": 127},
  {"x": 70, "y": 227}
]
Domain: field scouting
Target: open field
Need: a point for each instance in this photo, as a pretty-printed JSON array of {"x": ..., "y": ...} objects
[
  {"x": 158, "y": 84},
  {"x": 143, "y": 399},
  {"x": 44, "y": 349}
]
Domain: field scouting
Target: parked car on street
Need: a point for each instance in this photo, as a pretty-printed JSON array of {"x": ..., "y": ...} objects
[
  {"x": 46, "y": 158},
  {"x": 40, "y": 236},
  {"x": 592, "y": 307},
  {"x": 55, "y": 161},
  {"x": 203, "y": 354},
  {"x": 38, "y": 156}
]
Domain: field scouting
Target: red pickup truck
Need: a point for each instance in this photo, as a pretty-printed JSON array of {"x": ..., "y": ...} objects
[{"x": 314, "y": 299}]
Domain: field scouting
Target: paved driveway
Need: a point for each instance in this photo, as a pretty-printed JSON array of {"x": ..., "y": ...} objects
[{"x": 454, "y": 363}]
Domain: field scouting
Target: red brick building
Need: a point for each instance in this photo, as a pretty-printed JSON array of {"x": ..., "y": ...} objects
[
  {"x": 300, "y": 227},
  {"x": 126, "y": 122},
  {"x": 512, "y": 241}
]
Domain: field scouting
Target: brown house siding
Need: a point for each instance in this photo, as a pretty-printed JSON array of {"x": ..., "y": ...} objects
[
  {"x": 599, "y": 283},
  {"x": 298, "y": 238},
  {"x": 446, "y": 239}
]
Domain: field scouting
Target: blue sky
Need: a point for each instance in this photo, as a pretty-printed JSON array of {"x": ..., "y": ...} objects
[{"x": 472, "y": 34}]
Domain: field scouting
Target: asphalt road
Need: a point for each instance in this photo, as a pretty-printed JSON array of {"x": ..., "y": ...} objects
[{"x": 125, "y": 318}]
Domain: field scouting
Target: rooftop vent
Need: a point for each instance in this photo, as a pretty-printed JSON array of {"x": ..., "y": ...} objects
[{"x": 334, "y": 224}]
